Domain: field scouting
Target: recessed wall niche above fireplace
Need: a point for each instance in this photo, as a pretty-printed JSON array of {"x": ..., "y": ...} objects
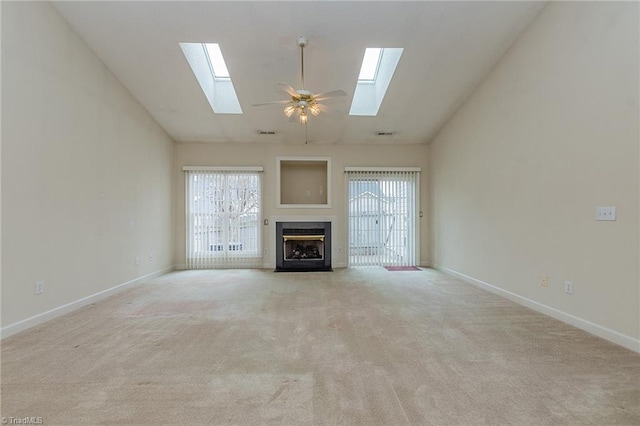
[
  {"x": 303, "y": 182},
  {"x": 303, "y": 246}
]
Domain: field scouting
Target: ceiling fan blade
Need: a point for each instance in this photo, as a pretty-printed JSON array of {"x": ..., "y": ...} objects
[
  {"x": 331, "y": 94},
  {"x": 272, "y": 103},
  {"x": 287, "y": 88},
  {"x": 329, "y": 110}
]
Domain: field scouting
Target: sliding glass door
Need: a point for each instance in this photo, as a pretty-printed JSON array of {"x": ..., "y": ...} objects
[
  {"x": 382, "y": 217},
  {"x": 223, "y": 218}
]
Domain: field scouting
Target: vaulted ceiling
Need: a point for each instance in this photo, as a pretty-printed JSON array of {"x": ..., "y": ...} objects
[{"x": 449, "y": 47}]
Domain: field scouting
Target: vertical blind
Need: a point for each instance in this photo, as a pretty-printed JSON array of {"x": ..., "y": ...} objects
[
  {"x": 224, "y": 209},
  {"x": 382, "y": 223}
]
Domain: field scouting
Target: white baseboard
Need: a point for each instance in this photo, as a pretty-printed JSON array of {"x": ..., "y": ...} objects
[
  {"x": 595, "y": 329},
  {"x": 38, "y": 319}
]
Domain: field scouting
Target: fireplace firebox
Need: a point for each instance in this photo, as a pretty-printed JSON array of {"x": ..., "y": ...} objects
[{"x": 303, "y": 246}]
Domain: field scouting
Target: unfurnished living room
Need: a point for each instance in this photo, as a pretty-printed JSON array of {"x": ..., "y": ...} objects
[{"x": 320, "y": 213}]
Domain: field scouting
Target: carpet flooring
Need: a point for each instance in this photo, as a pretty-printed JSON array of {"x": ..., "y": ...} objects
[{"x": 358, "y": 346}]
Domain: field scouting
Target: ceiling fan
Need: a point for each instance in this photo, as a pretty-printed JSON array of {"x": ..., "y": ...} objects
[{"x": 303, "y": 101}]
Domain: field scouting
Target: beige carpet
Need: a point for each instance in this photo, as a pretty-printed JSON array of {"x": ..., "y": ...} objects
[{"x": 350, "y": 347}]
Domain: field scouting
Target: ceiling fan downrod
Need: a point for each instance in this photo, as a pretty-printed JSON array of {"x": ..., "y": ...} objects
[{"x": 302, "y": 42}]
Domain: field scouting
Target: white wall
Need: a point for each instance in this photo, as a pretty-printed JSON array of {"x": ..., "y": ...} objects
[
  {"x": 86, "y": 182},
  {"x": 517, "y": 173},
  {"x": 195, "y": 154}
]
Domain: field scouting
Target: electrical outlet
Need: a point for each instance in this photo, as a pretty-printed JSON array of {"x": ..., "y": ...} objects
[
  {"x": 568, "y": 287},
  {"x": 544, "y": 280},
  {"x": 137, "y": 260},
  {"x": 39, "y": 287}
]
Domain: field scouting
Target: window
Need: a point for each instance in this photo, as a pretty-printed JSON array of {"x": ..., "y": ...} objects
[
  {"x": 209, "y": 68},
  {"x": 376, "y": 72},
  {"x": 370, "y": 63},
  {"x": 223, "y": 218},
  {"x": 382, "y": 217},
  {"x": 216, "y": 60}
]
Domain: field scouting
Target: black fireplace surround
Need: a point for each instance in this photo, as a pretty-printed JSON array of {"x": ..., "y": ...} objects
[{"x": 303, "y": 246}]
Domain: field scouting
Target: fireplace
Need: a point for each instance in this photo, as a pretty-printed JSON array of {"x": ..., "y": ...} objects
[{"x": 303, "y": 246}]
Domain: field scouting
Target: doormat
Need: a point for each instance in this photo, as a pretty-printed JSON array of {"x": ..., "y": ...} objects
[{"x": 402, "y": 268}]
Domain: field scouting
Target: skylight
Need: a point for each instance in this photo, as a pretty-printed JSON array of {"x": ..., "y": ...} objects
[
  {"x": 216, "y": 60},
  {"x": 370, "y": 64},
  {"x": 208, "y": 66},
  {"x": 376, "y": 72}
]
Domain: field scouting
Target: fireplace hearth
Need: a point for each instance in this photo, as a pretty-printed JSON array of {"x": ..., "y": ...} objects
[{"x": 303, "y": 246}]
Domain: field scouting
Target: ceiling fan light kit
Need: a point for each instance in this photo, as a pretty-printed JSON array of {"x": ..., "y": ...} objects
[
  {"x": 289, "y": 110},
  {"x": 303, "y": 100}
]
